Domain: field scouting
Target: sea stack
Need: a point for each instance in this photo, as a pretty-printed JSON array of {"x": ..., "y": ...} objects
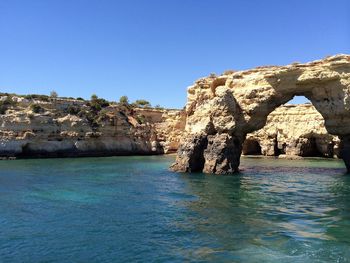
[{"x": 222, "y": 110}]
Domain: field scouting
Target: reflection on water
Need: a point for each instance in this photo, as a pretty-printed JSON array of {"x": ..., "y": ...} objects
[{"x": 124, "y": 209}]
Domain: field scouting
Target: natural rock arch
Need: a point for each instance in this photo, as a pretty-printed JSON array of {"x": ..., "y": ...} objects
[{"x": 222, "y": 110}]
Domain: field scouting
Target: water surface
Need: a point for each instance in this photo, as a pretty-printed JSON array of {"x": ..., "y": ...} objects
[{"x": 132, "y": 209}]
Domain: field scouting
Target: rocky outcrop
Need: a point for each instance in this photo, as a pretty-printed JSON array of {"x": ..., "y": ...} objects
[
  {"x": 224, "y": 109},
  {"x": 223, "y": 118},
  {"x": 292, "y": 130},
  {"x": 63, "y": 127},
  {"x": 49, "y": 134},
  {"x": 171, "y": 129}
]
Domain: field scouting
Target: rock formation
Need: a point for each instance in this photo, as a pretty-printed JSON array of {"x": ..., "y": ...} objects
[
  {"x": 65, "y": 127},
  {"x": 222, "y": 110},
  {"x": 290, "y": 130},
  {"x": 224, "y": 117},
  {"x": 293, "y": 130},
  {"x": 171, "y": 129}
]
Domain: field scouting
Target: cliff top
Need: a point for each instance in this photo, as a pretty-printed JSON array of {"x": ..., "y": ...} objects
[{"x": 335, "y": 60}]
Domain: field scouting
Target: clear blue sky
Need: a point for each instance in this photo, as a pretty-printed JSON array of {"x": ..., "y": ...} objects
[{"x": 154, "y": 49}]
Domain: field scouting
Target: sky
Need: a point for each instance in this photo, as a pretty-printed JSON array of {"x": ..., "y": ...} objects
[{"x": 155, "y": 49}]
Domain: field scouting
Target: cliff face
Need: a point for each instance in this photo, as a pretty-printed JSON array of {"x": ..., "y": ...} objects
[
  {"x": 168, "y": 125},
  {"x": 222, "y": 110},
  {"x": 171, "y": 130},
  {"x": 290, "y": 130},
  {"x": 63, "y": 127},
  {"x": 55, "y": 132}
]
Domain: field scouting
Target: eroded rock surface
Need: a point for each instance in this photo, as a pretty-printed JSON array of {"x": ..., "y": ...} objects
[
  {"x": 65, "y": 127},
  {"x": 237, "y": 103},
  {"x": 171, "y": 129},
  {"x": 293, "y": 130}
]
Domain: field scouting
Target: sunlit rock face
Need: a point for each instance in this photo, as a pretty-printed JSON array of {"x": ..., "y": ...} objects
[
  {"x": 54, "y": 133},
  {"x": 170, "y": 129},
  {"x": 228, "y": 107},
  {"x": 115, "y": 130},
  {"x": 293, "y": 130}
]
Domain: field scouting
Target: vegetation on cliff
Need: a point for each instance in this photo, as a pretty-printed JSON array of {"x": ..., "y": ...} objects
[{"x": 39, "y": 125}]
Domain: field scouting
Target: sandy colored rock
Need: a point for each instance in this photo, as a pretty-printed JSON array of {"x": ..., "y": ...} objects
[
  {"x": 115, "y": 130},
  {"x": 297, "y": 130},
  {"x": 238, "y": 103},
  {"x": 171, "y": 129}
]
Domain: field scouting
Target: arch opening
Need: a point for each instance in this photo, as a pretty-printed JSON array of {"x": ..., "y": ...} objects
[
  {"x": 295, "y": 128},
  {"x": 251, "y": 147},
  {"x": 299, "y": 99}
]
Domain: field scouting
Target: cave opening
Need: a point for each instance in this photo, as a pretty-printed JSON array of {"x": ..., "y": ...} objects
[
  {"x": 309, "y": 148},
  {"x": 280, "y": 148},
  {"x": 251, "y": 147}
]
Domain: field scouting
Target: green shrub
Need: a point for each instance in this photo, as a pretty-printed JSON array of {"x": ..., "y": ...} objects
[
  {"x": 96, "y": 103},
  {"x": 95, "y": 113},
  {"x": 229, "y": 72},
  {"x": 103, "y": 103},
  {"x": 73, "y": 110},
  {"x": 95, "y": 107},
  {"x": 6, "y": 104},
  {"x": 103, "y": 113},
  {"x": 101, "y": 116},
  {"x": 124, "y": 100},
  {"x": 9, "y": 101},
  {"x": 53, "y": 94},
  {"x": 3, "y": 109},
  {"x": 36, "y": 108},
  {"x": 158, "y": 107},
  {"x": 91, "y": 117},
  {"x": 79, "y": 98},
  {"x": 142, "y": 103},
  {"x": 141, "y": 119},
  {"x": 37, "y": 97}
]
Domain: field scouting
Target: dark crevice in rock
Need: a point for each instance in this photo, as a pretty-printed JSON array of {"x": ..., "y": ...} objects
[
  {"x": 251, "y": 147},
  {"x": 345, "y": 151}
]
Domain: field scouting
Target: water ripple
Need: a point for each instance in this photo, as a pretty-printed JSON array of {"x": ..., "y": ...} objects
[{"x": 132, "y": 209}]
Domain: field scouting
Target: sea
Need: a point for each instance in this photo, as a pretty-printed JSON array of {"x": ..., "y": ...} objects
[{"x": 133, "y": 209}]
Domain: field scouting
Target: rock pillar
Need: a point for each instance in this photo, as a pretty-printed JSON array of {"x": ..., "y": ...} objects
[
  {"x": 345, "y": 151},
  {"x": 219, "y": 154},
  {"x": 222, "y": 155},
  {"x": 190, "y": 155}
]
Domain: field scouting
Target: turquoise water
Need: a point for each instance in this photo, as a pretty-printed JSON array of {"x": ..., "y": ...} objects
[{"x": 132, "y": 209}]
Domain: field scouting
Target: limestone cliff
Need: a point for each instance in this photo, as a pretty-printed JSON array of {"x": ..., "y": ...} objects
[
  {"x": 72, "y": 128},
  {"x": 171, "y": 130},
  {"x": 222, "y": 110},
  {"x": 66, "y": 127},
  {"x": 293, "y": 130}
]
